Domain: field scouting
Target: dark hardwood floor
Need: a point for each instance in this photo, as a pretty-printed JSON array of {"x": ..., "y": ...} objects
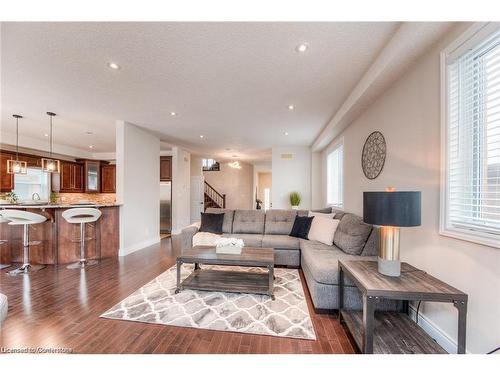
[{"x": 60, "y": 308}]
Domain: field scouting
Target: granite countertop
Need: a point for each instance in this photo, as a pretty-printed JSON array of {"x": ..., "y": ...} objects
[{"x": 58, "y": 205}]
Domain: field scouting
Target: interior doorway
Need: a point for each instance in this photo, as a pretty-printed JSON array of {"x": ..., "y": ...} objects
[{"x": 264, "y": 189}]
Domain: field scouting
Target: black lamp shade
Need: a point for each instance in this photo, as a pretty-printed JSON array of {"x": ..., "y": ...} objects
[{"x": 396, "y": 208}]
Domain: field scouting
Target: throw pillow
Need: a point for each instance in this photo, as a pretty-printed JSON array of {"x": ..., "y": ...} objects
[
  {"x": 211, "y": 223},
  {"x": 301, "y": 227},
  {"x": 323, "y": 229},
  {"x": 319, "y": 214}
]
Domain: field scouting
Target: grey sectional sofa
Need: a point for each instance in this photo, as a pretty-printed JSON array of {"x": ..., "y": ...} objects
[{"x": 353, "y": 240}]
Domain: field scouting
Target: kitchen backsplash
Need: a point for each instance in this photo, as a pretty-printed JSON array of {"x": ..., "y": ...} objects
[{"x": 70, "y": 198}]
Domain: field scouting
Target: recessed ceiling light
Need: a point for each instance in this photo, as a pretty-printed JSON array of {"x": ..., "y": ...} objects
[
  {"x": 291, "y": 107},
  {"x": 113, "y": 65},
  {"x": 91, "y": 146},
  {"x": 228, "y": 149},
  {"x": 302, "y": 47},
  {"x": 286, "y": 133},
  {"x": 201, "y": 136},
  {"x": 45, "y": 135},
  {"x": 89, "y": 133},
  {"x": 235, "y": 156},
  {"x": 173, "y": 113}
]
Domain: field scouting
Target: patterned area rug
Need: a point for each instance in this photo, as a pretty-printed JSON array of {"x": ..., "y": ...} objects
[{"x": 156, "y": 302}]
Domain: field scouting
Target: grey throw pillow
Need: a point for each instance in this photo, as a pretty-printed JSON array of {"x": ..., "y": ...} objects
[{"x": 351, "y": 234}]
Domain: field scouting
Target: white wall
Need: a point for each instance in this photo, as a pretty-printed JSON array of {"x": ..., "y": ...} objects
[
  {"x": 408, "y": 115},
  {"x": 137, "y": 187},
  {"x": 291, "y": 175},
  {"x": 316, "y": 180},
  {"x": 181, "y": 189}
]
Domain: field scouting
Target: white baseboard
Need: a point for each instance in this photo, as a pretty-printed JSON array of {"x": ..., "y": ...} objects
[
  {"x": 138, "y": 246},
  {"x": 434, "y": 331}
]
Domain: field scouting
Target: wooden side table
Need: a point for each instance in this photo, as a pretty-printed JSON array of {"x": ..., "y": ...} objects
[{"x": 394, "y": 332}]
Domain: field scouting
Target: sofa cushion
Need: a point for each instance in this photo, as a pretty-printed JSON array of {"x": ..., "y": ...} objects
[
  {"x": 252, "y": 240},
  {"x": 351, "y": 234},
  {"x": 280, "y": 241},
  {"x": 211, "y": 223},
  {"x": 326, "y": 210},
  {"x": 227, "y": 226},
  {"x": 372, "y": 245},
  {"x": 301, "y": 227},
  {"x": 248, "y": 221},
  {"x": 279, "y": 221},
  {"x": 322, "y": 261},
  {"x": 338, "y": 213},
  {"x": 323, "y": 229},
  {"x": 321, "y": 214}
]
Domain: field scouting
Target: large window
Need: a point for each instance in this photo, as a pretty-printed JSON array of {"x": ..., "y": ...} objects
[
  {"x": 335, "y": 176},
  {"x": 471, "y": 197}
]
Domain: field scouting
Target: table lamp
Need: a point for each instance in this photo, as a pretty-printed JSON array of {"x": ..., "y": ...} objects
[{"x": 391, "y": 210}]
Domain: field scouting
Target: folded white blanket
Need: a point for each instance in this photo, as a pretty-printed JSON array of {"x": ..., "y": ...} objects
[{"x": 205, "y": 239}]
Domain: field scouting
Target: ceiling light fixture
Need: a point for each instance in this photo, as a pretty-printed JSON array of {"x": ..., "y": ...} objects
[
  {"x": 286, "y": 133},
  {"x": 49, "y": 164},
  {"x": 113, "y": 65},
  {"x": 91, "y": 146},
  {"x": 291, "y": 107},
  {"x": 173, "y": 113},
  {"x": 234, "y": 164},
  {"x": 302, "y": 47},
  {"x": 45, "y": 135},
  {"x": 17, "y": 166},
  {"x": 201, "y": 136},
  {"x": 89, "y": 133}
]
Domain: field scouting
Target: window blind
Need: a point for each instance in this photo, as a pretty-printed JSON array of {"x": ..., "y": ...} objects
[
  {"x": 473, "y": 139},
  {"x": 335, "y": 176}
]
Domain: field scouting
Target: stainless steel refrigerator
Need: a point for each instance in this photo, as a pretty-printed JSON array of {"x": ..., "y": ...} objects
[{"x": 165, "y": 207}]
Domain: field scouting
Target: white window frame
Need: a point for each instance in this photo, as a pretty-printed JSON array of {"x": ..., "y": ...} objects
[
  {"x": 471, "y": 37},
  {"x": 339, "y": 144}
]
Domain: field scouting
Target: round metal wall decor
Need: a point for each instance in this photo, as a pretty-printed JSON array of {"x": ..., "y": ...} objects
[{"x": 373, "y": 157}]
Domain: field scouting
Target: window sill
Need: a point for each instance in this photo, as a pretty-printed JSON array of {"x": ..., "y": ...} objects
[{"x": 464, "y": 235}]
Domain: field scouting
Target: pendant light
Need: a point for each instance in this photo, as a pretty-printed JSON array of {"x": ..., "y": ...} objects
[
  {"x": 49, "y": 164},
  {"x": 17, "y": 166}
]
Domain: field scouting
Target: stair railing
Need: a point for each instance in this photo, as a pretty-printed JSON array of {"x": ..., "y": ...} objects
[{"x": 218, "y": 198}]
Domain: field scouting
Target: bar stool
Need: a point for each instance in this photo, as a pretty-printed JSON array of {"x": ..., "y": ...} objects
[
  {"x": 82, "y": 216},
  {"x": 24, "y": 218},
  {"x": 3, "y": 221}
]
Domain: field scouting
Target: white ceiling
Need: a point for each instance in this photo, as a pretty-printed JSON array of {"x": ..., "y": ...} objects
[{"x": 231, "y": 82}]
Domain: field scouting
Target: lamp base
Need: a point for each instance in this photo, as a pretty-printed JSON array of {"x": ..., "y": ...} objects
[{"x": 389, "y": 267}]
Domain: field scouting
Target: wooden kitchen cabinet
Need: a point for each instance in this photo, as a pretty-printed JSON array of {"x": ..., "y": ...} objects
[
  {"x": 6, "y": 180},
  {"x": 70, "y": 178},
  {"x": 108, "y": 178},
  {"x": 165, "y": 168},
  {"x": 92, "y": 176}
]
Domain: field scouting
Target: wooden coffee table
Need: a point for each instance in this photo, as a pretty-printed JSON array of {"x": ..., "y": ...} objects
[{"x": 228, "y": 280}]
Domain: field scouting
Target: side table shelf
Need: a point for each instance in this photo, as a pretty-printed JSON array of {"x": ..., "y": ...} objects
[{"x": 394, "y": 333}]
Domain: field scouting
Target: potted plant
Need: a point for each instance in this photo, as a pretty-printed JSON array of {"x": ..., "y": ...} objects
[{"x": 295, "y": 200}]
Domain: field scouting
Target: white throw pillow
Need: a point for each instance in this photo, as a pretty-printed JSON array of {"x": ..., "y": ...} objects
[
  {"x": 319, "y": 214},
  {"x": 323, "y": 229},
  {"x": 205, "y": 239}
]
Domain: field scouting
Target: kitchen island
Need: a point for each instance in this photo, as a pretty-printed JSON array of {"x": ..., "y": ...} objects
[{"x": 58, "y": 238}]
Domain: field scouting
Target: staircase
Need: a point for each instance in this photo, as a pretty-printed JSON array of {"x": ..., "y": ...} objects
[{"x": 213, "y": 198}]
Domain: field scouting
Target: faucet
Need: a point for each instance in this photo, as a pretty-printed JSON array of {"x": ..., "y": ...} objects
[{"x": 35, "y": 197}]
